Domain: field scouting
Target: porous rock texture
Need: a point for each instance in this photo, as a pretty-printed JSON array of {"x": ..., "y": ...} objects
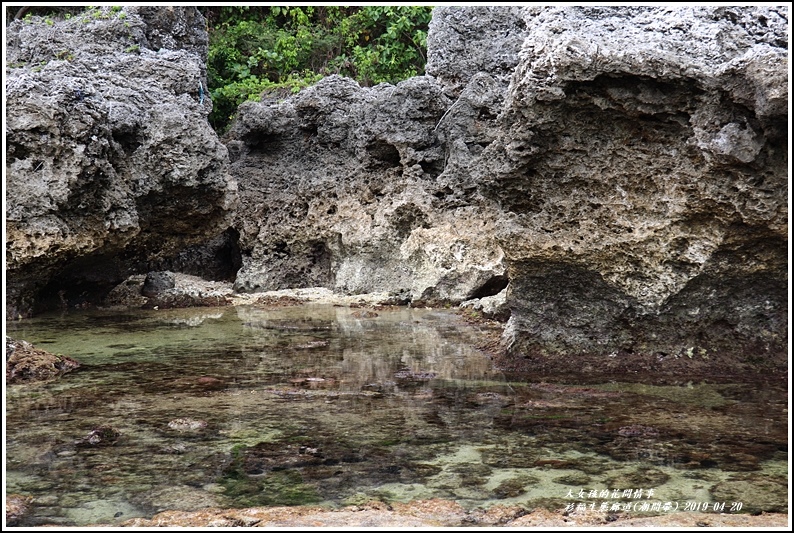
[
  {"x": 110, "y": 162},
  {"x": 26, "y": 363},
  {"x": 642, "y": 159},
  {"x": 621, "y": 172},
  {"x": 340, "y": 187}
]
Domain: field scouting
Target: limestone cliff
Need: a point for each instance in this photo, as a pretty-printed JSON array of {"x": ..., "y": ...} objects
[
  {"x": 642, "y": 160},
  {"x": 340, "y": 188},
  {"x": 110, "y": 161},
  {"x": 617, "y": 175},
  {"x": 624, "y": 169}
]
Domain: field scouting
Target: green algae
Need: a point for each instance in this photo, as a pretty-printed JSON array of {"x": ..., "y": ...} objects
[
  {"x": 275, "y": 488},
  {"x": 701, "y": 395}
]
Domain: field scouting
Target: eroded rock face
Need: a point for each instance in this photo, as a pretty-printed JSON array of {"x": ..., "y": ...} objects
[
  {"x": 622, "y": 170},
  {"x": 110, "y": 160},
  {"x": 340, "y": 188},
  {"x": 465, "y": 41},
  {"x": 643, "y": 162}
]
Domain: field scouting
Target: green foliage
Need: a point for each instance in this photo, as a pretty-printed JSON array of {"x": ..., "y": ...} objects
[
  {"x": 394, "y": 42},
  {"x": 103, "y": 13},
  {"x": 256, "y": 49},
  {"x": 65, "y": 55}
]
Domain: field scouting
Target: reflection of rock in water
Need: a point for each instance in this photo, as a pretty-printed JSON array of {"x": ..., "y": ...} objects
[
  {"x": 401, "y": 403},
  {"x": 409, "y": 375},
  {"x": 194, "y": 320},
  {"x": 286, "y": 325},
  {"x": 339, "y": 344}
]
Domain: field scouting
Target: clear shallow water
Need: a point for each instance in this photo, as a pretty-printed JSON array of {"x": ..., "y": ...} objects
[{"x": 236, "y": 407}]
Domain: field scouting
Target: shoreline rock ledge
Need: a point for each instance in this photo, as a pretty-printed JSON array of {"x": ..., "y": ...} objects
[{"x": 111, "y": 164}]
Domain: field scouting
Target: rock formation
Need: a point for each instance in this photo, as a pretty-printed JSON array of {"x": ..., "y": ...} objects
[
  {"x": 617, "y": 176},
  {"x": 642, "y": 162},
  {"x": 26, "y": 363},
  {"x": 110, "y": 163},
  {"x": 340, "y": 188},
  {"x": 621, "y": 170}
]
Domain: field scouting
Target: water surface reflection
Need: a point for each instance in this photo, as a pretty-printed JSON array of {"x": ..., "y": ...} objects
[{"x": 243, "y": 406}]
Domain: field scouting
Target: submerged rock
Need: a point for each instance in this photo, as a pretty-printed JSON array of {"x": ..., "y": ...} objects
[
  {"x": 753, "y": 493},
  {"x": 26, "y": 363},
  {"x": 187, "y": 424},
  {"x": 100, "y": 436},
  {"x": 17, "y": 506}
]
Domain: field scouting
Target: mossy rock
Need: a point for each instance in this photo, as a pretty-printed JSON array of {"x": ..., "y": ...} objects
[
  {"x": 578, "y": 479},
  {"x": 276, "y": 488},
  {"x": 755, "y": 492},
  {"x": 510, "y": 488}
]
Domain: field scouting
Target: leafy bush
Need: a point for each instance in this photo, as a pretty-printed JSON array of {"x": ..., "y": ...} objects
[{"x": 254, "y": 49}]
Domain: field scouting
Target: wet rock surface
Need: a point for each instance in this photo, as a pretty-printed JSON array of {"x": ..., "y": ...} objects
[
  {"x": 187, "y": 424},
  {"x": 100, "y": 436},
  {"x": 26, "y": 363}
]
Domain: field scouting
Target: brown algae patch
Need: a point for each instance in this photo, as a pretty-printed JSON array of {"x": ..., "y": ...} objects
[{"x": 700, "y": 394}]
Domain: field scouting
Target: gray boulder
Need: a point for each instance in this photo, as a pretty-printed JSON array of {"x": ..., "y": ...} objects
[
  {"x": 110, "y": 160},
  {"x": 157, "y": 282}
]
